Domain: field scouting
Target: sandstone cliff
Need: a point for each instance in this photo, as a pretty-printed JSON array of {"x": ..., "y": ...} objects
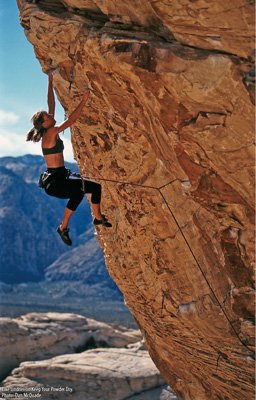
[{"x": 170, "y": 125}]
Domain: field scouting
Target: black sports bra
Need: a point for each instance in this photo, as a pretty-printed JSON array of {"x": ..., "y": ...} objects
[{"x": 58, "y": 148}]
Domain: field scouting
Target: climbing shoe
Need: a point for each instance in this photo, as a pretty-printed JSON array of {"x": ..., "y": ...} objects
[
  {"x": 64, "y": 236},
  {"x": 103, "y": 222}
]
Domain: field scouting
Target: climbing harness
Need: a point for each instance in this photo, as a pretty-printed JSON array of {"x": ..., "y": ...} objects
[
  {"x": 77, "y": 175},
  {"x": 46, "y": 178}
]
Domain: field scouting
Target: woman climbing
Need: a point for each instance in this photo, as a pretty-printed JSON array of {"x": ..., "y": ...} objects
[{"x": 56, "y": 181}]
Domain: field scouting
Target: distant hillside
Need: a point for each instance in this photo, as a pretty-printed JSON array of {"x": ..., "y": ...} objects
[
  {"x": 28, "y": 221},
  {"x": 30, "y": 249},
  {"x": 29, "y": 166},
  {"x": 37, "y": 271}
]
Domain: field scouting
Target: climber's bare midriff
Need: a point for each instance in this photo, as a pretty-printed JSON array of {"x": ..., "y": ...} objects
[{"x": 54, "y": 160}]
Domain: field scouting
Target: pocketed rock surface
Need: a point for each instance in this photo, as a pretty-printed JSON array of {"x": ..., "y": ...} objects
[{"x": 170, "y": 122}]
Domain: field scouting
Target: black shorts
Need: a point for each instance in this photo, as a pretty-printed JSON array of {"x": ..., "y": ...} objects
[{"x": 64, "y": 186}]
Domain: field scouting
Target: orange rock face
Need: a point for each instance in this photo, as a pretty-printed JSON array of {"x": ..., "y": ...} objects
[{"x": 170, "y": 123}]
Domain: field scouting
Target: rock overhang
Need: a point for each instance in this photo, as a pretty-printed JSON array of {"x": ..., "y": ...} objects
[{"x": 170, "y": 126}]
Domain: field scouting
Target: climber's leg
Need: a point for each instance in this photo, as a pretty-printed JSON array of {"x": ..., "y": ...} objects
[
  {"x": 62, "y": 229},
  {"x": 95, "y": 189},
  {"x": 71, "y": 189},
  {"x": 96, "y": 210},
  {"x": 66, "y": 217}
]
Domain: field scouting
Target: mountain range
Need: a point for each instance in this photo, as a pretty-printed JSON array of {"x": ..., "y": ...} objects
[
  {"x": 28, "y": 221},
  {"x": 35, "y": 263}
]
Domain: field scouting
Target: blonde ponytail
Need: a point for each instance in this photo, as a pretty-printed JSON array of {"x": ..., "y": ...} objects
[
  {"x": 30, "y": 134},
  {"x": 36, "y": 133}
]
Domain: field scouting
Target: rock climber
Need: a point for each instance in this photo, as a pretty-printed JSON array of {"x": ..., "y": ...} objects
[{"x": 56, "y": 180}]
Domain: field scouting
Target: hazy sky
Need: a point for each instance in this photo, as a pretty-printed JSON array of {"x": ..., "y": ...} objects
[{"x": 23, "y": 87}]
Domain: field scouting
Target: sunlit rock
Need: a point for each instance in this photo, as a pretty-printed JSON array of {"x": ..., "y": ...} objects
[{"x": 170, "y": 123}]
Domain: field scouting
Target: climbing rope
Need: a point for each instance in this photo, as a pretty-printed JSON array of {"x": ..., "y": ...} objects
[
  {"x": 182, "y": 233},
  {"x": 174, "y": 218}
]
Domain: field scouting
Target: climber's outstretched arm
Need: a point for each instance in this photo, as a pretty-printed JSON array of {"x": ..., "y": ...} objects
[
  {"x": 74, "y": 115},
  {"x": 50, "y": 95}
]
